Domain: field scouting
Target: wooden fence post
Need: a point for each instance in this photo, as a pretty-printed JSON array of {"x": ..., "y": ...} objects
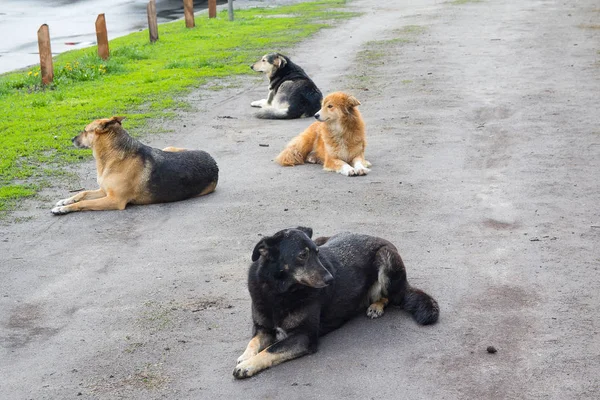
[
  {"x": 152, "y": 22},
  {"x": 102, "y": 37},
  {"x": 45, "y": 55},
  {"x": 212, "y": 8},
  {"x": 230, "y": 9},
  {"x": 188, "y": 11}
]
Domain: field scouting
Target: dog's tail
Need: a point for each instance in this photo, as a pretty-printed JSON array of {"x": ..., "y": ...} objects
[
  {"x": 297, "y": 150},
  {"x": 392, "y": 274},
  {"x": 424, "y": 309}
]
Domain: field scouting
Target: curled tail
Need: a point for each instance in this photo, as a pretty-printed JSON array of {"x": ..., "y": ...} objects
[{"x": 424, "y": 309}]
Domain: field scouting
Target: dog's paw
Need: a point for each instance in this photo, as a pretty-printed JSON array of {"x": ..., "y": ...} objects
[
  {"x": 375, "y": 310},
  {"x": 360, "y": 169},
  {"x": 259, "y": 103},
  {"x": 347, "y": 170},
  {"x": 244, "y": 370},
  {"x": 64, "y": 202},
  {"x": 246, "y": 356},
  {"x": 368, "y": 164},
  {"x": 312, "y": 159},
  {"x": 60, "y": 210}
]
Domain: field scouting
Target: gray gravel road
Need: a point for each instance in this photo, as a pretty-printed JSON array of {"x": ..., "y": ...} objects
[{"x": 484, "y": 133}]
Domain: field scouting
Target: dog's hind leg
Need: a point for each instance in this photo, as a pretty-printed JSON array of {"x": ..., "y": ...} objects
[
  {"x": 104, "y": 203},
  {"x": 378, "y": 293},
  {"x": 297, "y": 149},
  {"x": 293, "y": 346},
  {"x": 423, "y": 308}
]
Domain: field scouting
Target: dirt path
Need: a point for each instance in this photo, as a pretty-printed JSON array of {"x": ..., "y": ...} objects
[{"x": 483, "y": 124}]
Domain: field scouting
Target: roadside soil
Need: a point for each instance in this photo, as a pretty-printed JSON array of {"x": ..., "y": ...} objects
[{"x": 484, "y": 133}]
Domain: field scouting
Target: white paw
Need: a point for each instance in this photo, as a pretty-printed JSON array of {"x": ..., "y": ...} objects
[
  {"x": 360, "y": 169},
  {"x": 259, "y": 103},
  {"x": 374, "y": 311},
  {"x": 59, "y": 210},
  {"x": 65, "y": 202},
  {"x": 347, "y": 170},
  {"x": 244, "y": 370},
  {"x": 246, "y": 356},
  {"x": 368, "y": 164}
]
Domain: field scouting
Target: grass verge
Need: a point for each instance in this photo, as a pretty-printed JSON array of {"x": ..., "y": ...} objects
[{"x": 140, "y": 80}]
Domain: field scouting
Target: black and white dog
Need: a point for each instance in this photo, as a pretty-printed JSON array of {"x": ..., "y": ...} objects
[
  {"x": 302, "y": 289},
  {"x": 292, "y": 94}
]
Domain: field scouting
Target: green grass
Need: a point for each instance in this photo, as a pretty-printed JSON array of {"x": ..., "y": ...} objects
[{"x": 140, "y": 80}]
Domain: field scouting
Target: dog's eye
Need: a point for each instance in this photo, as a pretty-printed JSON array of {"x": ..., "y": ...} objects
[
  {"x": 302, "y": 256},
  {"x": 329, "y": 106}
]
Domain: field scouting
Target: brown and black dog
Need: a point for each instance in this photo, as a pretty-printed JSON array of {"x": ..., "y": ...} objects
[
  {"x": 302, "y": 289},
  {"x": 337, "y": 141},
  {"x": 130, "y": 172}
]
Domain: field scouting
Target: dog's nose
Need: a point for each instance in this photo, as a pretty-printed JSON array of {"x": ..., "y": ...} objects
[
  {"x": 252, "y": 67},
  {"x": 328, "y": 279},
  {"x": 73, "y": 140},
  {"x": 317, "y": 116}
]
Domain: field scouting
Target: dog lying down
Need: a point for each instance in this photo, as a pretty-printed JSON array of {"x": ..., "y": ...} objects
[
  {"x": 337, "y": 140},
  {"x": 131, "y": 172},
  {"x": 302, "y": 289},
  {"x": 292, "y": 94}
]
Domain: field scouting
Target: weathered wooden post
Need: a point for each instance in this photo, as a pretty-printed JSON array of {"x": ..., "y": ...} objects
[
  {"x": 152, "y": 22},
  {"x": 45, "y": 55},
  {"x": 212, "y": 8},
  {"x": 230, "y": 9},
  {"x": 102, "y": 37},
  {"x": 188, "y": 11}
]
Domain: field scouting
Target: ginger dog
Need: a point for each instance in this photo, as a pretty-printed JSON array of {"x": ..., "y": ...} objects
[
  {"x": 337, "y": 140},
  {"x": 130, "y": 172}
]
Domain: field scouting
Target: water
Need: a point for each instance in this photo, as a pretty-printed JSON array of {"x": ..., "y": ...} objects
[{"x": 72, "y": 24}]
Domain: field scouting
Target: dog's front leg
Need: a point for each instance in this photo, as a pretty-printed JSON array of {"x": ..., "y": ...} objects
[
  {"x": 361, "y": 166},
  {"x": 104, "y": 203},
  {"x": 260, "y": 341},
  {"x": 85, "y": 195},
  {"x": 334, "y": 164},
  {"x": 293, "y": 346},
  {"x": 264, "y": 102}
]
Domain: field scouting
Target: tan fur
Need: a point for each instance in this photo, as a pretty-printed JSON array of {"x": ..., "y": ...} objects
[
  {"x": 121, "y": 175},
  {"x": 257, "y": 344},
  {"x": 337, "y": 140},
  {"x": 173, "y": 149}
]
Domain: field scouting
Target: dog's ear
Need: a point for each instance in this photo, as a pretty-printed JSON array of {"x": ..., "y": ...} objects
[
  {"x": 353, "y": 101},
  {"x": 112, "y": 121},
  {"x": 267, "y": 246},
  {"x": 280, "y": 61},
  {"x": 306, "y": 230},
  {"x": 119, "y": 119},
  {"x": 261, "y": 249}
]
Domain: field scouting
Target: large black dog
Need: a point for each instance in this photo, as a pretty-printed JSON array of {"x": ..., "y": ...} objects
[{"x": 302, "y": 289}]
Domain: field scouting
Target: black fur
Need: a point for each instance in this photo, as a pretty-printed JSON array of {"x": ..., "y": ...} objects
[
  {"x": 348, "y": 264},
  {"x": 179, "y": 175},
  {"x": 292, "y": 85},
  {"x": 173, "y": 176}
]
